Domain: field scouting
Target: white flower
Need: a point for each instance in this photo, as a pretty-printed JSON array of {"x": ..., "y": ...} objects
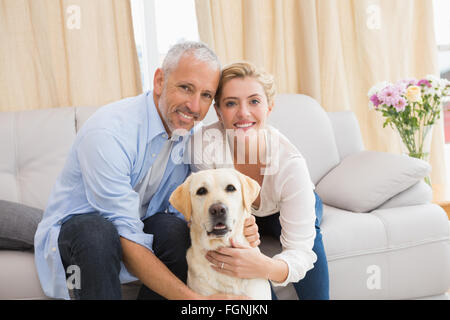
[
  {"x": 378, "y": 87},
  {"x": 406, "y": 82},
  {"x": 432, "y": 78},
  {"x": 443, "y": 83}
]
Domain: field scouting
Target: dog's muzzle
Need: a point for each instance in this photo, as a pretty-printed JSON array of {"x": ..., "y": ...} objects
[{"x": 218, "y": 214}]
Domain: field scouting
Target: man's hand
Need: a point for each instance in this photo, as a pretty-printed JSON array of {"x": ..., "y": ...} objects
[
  {"x": 145, "y": 266},
  {"x": 251, "y": 231}
]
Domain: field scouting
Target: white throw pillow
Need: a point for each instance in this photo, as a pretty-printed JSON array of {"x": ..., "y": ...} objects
[{"x": 365, "y": 180}]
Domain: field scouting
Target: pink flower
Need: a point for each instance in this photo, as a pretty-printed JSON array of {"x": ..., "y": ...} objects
[
  {"x": 424, "y": 82},
  {"x": 389, "y": 95},
  {"x": 374, "y": 99},
  {"x": 400, "y": 104}
]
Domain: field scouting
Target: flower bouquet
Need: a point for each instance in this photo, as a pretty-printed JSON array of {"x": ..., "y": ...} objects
[{"x": 411, "y": 107}]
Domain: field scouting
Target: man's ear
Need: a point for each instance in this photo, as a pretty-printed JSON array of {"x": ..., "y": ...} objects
[
  {"x": 158, "y": 82},
  {"x": 180, "y": 199},
  {"x": 250, "y": 190}
]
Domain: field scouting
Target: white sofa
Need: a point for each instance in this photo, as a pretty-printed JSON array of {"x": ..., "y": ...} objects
[{"x": 400, "y": 250}]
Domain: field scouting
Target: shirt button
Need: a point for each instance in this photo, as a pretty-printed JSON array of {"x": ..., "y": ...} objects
[
  {"x": 153, "y": 155},
  {"x": 54, "y": 249},
  {"x": 164, "y": 135}
]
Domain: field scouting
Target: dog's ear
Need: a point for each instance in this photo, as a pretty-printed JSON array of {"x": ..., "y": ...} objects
[
  {"x": 180, "y": 199},
  {"x": 250, "y": 190}
]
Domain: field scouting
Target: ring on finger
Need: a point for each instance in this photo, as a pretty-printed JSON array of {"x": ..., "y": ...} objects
[{"x": 221, "y": 266}]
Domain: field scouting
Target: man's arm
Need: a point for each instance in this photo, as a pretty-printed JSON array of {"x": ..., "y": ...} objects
[{"x": 144, "y": 265}]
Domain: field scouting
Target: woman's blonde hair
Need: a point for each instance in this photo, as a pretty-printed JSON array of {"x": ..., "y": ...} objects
[{"x": 242, "y": 70}]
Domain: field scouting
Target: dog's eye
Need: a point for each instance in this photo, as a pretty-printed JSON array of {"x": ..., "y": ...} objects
[
  {"x": 230, "y": 188},
  {"x": 202, "y": 191}
]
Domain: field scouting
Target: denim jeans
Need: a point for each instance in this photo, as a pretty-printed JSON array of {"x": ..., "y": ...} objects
[
  {"x": 92, "y": 243},
  {"x": 315, "y": 284}
]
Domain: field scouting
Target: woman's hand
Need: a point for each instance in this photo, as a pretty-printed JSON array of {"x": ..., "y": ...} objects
[
  {"x": 239, "y": 261},
  {"x": 251, "y": 231}
]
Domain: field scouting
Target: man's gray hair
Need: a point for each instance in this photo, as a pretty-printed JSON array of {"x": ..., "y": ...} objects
[{"x": 198, "y": 49}]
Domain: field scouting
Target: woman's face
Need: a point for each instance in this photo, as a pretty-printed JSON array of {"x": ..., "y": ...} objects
[{"x": 243, "y": 105}]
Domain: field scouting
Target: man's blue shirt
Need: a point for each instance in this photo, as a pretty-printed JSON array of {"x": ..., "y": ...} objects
[{"x": 111, "y": 154}]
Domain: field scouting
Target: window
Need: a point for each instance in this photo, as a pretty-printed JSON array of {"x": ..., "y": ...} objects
[
  {"x": 442, "y": 29},
  {"x": 157, "y": 26}
]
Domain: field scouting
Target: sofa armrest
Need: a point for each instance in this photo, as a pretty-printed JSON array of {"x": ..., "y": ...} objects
[{"x": 419, "y": 193}]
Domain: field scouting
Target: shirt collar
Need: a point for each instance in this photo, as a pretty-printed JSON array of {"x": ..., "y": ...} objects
[{"x": 156, "y": 126}]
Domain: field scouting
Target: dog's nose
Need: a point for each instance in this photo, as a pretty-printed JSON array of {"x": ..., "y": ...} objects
[{"x": 218, "y": 210}]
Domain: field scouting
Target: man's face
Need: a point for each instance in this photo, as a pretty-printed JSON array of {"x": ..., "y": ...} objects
[{"x": 186, "y": 95}]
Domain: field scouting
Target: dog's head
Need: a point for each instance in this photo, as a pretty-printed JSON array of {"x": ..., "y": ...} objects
[{"x": 215, "y": 201}]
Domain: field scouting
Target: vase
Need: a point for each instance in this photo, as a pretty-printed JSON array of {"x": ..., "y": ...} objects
[{"x": 418, "y": 145}]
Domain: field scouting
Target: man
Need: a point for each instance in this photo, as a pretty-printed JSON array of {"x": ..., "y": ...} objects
[{"x": 107, "y": 215}]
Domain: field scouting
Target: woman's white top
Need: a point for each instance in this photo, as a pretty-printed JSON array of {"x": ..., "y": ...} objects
[{"x": 287, "y": 188}]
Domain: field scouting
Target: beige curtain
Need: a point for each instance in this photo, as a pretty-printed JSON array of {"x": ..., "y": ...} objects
[
  {"x": 66, "y": 53},
  {"x": 332, "y": 50}
]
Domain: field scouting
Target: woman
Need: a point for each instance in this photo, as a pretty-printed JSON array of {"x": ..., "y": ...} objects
[{"x": 287, "y": 206}]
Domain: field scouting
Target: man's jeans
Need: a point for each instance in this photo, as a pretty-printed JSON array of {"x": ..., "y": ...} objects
[
  {"x": 92, "y": 243},
  {"x": 315, "y": 284}
]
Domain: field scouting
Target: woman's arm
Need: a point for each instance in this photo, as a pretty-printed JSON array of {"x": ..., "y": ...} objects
[{"x": 297, "y": 219}]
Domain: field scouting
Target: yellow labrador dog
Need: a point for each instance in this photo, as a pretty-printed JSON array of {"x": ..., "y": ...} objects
[{"x": 217, "y": 202}]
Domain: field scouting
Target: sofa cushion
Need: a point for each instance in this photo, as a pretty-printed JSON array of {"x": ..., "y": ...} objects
[
  {"x": 365, "y": 180},
  {"x": 18, "y": 225},
  {"x": 408, "y": 246},
  {"x": 19, "y": 278}
]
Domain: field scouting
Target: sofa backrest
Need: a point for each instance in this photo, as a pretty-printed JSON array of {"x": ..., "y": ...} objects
[
  {"x": 347, "y": 133},
  {"x": 306, "y": 124},
  {"x": 33, "y": 149},
  {"x": 82, "y": 114},
  {"x": 34, "y": 144}
]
